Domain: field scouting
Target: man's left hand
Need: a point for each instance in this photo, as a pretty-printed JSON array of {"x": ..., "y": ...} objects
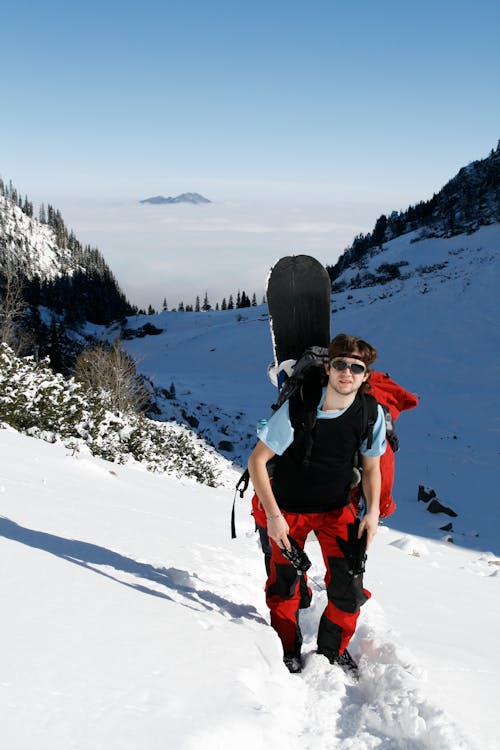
[{"x": 370, "y": 523}]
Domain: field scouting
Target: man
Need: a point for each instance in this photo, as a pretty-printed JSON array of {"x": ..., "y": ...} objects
[{"x": 313, "y": 495}]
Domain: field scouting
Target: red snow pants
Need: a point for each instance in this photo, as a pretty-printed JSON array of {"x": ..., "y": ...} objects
[{"x": 345, "y": 592}]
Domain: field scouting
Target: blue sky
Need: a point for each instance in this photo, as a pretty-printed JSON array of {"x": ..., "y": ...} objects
[{"x": 359, "y": 106}]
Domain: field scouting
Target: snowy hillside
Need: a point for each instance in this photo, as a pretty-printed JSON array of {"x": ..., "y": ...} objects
[
  {"x": 426, "y": 262},
  {"x": 433, "y": 329},
  {"x": 52, "y": 267},
  {"x": 469, "y": 201},
  {"x": 30, "y": 246},
  {"x": 134, "y": 621}
]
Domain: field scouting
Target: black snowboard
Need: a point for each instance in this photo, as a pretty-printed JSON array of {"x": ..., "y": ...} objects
[{"x": 298, "y": 297}]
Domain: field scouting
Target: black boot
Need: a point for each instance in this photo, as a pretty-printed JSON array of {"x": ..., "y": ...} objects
[
  {"x": 292, "y": 658},
  {"x": 344, "y": 660},
  {"x": 293, "y": 661}
]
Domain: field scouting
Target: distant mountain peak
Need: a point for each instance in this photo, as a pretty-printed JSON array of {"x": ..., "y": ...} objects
[{"x": 194, "y": 198}]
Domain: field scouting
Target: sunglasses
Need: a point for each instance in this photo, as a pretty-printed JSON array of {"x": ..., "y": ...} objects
[{"x": 354, "y": 367}]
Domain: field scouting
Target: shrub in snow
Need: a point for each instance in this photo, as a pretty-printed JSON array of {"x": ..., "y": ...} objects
[
  {"x": 111, "y": 371},
  {"x": 35, "y": 400}
]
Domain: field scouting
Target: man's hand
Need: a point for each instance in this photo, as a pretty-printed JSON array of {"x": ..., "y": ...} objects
[
  {"x": 277, "y": 530},
  {"x": 277, "y": 527},
  {"x": 370, "y": 523},
  {"x": 371, "y": 489}
]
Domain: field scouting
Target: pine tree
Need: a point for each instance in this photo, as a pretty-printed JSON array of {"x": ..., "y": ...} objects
[
  {"x": 197, "y": 304},
  {"x": 27, "y": 207},
  {"x": 206, "y": 304},
  {"x": 55, "y": 353},
  {"x": 230, "y": 305},
  {"x": 378, "y": 234}
]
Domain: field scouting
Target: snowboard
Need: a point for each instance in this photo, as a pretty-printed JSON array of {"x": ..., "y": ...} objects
[{"x": 298, "y": 297}]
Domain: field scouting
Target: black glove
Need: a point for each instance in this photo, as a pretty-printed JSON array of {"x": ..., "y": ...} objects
[
  {"x": 354, "y": 549},
  {"x": 296, "y": 556}
]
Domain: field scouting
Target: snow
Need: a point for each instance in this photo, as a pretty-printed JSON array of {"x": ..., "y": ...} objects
[
  {"x": 134, "y": 621},
  {"x": 131, "y": 619},
  {"x": 33, "y": 245},
  {"x": 129, "y": 623}
]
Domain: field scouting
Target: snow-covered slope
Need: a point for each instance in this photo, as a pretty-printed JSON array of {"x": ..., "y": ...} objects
[
  {"x": 437, "y": 333},
  {"x": 30, "y": 246},
  {"x": 469, "y": 201},
  {"x": 132, "y": 621},
  {"x": 54, "y": 268}
]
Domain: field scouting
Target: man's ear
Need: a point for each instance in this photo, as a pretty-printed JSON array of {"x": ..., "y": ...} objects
[{"x": 326, "y": 365}]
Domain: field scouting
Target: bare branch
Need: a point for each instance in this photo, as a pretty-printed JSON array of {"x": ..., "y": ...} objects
[
  {"x": 113, "y": 371},
  {"x": 12, "y": 311}
]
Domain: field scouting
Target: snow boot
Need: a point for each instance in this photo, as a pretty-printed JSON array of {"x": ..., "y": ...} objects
[
  {"x": 345, "y": 661},
  {"x": 293, "y": 661}
]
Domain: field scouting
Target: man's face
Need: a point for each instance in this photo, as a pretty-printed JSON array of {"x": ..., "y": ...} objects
[{"x": 345, "y": 381}]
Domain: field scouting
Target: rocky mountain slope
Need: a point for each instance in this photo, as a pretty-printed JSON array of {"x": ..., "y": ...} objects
[
  {"x": 54, "y": 268},
  {"x": 467, "y": 202}
]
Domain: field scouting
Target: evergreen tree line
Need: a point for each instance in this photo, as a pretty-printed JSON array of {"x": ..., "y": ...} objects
[
  {"x": 82, "y": 296},
  {"x": 11, "y": 193},
  {"x": 236, "y": 302},
  {"x": 469, "y": 200},
  {"x": 90, "y": 294}
]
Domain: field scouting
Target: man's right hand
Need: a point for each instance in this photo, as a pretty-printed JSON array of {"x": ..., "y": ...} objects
[
  {"x": 277, "y": 527},
  {"x": 277, "y": 530}
]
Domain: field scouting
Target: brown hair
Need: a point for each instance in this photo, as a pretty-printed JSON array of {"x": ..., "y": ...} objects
[{"x": 344, "y": 345}]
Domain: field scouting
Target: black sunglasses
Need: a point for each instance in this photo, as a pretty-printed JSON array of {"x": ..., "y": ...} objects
[{"x": 354, "y": 367}]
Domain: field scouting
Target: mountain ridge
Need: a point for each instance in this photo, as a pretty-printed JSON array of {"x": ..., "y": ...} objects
[
  {"x": 468, "y": 201},
  {"x": 54, "y": 269},
  {"x": 193, "y": 198}
]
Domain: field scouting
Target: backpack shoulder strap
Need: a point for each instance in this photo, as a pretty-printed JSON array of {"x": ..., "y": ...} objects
[
  {"x": 241, "y": 487},
  {"x": 296, "y": 408},
  {"x": 303, "y": 406},
  {"x": 369, "y": 414}
]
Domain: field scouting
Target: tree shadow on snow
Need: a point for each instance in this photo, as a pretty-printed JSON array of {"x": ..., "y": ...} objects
[{"x": 89, "y": 555}]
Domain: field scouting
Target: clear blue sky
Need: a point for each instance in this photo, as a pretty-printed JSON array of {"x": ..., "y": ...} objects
[{"x": 379, "y": 103}]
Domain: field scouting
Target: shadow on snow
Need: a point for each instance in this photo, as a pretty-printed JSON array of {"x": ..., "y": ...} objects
[{"x": 88, "y": 555}]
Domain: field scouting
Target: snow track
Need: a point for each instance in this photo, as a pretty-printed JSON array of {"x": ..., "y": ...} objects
[{"x": 389, "y": 708}]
